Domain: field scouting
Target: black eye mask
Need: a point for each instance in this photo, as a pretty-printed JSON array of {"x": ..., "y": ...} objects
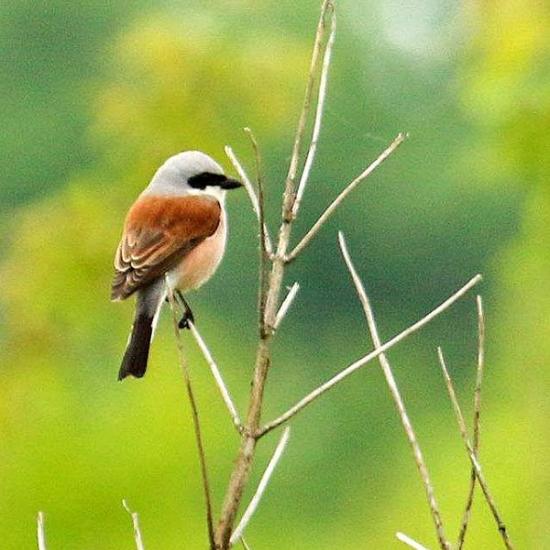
[{"x": 205, "y": 179}]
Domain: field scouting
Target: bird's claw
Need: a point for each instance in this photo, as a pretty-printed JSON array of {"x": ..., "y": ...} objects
[{"x": 184, "y": 321}]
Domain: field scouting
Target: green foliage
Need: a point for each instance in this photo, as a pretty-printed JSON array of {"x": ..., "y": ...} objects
[{"x": 512, "y": 77}]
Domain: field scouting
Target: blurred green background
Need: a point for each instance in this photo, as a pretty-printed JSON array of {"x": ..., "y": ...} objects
[{"x": 95, "y": 95}]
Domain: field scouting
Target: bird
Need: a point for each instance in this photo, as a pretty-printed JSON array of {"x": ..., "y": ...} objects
[{"x": 174, "y": 234}]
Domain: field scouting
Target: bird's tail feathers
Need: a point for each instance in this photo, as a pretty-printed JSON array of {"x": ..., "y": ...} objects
[
  {"x": 136, "y": 355},
  {"x": 148, "y": 303}
]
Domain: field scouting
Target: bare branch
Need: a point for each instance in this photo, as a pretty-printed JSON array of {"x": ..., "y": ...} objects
[
  {"x": 396, "y": 396},
  {"x": 264, "y": 254},
  {"x": 289, "y": 196},
  {"x": 308, "y": 237},
  {"x": 249, "y": 512},
  {"x": 245, "y": 457},
  {"x": 287, "y": 302},
  {"x": 217, "y": 376},
  {"x": 251, "y": 194},
  {"x": 477, "y": 413},
  {"x": 471, "y": 453},
  {"x": 195, "y": 416},
  {"x": 318, "y": 117},
  {"x": 369, "y": 357},
  {"x": 479, "y": 373},
  {"x": 410, "y": 542},
  {"x": 40, "y": 531},
  {"x": 135, "y": 522}
]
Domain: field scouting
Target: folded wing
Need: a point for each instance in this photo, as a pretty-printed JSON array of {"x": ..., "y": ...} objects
[{"x": 158, "y": 233}]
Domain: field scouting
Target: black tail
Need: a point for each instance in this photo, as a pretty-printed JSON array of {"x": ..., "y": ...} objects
[{"x": 135, "y": 358}]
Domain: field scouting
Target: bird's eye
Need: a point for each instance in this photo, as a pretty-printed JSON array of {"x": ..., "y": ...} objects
[{"x": 202, "y": 180}]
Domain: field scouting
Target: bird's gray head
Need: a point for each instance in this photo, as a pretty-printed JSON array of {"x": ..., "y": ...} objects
[{"x": 191, "y": 172}]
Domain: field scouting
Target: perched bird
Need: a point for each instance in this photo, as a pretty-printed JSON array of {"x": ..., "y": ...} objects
[{"x": 174, "y": 233}]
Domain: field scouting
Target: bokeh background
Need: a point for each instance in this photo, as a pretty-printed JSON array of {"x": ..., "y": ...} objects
[{"x": 95, "y": 95}]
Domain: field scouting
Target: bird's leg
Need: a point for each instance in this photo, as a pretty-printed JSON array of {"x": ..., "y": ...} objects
[{"x": 187, "y": 313}]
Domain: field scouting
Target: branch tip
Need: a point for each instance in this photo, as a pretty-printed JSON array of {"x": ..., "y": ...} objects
[
  {"x": 135, "y": 523},
  {"x": 409, "y": 541},
  {"x": 285, "y": 306},
  {"x": 41, "y": 531}
]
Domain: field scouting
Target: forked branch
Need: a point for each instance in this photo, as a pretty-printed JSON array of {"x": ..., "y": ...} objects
[
  {"x": 262, "y": 486},
  {"x": 289, "y": 197},
  {"x": 312, "y": 396},
  {"x": 477, "y": 414},
  {"x": 323, "y": 218},
  {"x": 471, "y": 453},
  {"x": 318, "y": 117},
  {"x": 396, "y": 396}
]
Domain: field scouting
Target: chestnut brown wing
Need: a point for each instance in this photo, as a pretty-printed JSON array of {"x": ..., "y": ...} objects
[{"x": 158, "y": 233}]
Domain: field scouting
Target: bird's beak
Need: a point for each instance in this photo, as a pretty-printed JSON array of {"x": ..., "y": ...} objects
[{"x": 230, "y": 183}]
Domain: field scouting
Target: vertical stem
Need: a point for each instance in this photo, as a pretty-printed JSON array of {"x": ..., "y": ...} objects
[
  {"x": 477, "y": 413},
  {"x": 264, "y": 255},
  {"x": 196, "y": 422},
  {"x": 243, "y": 465}
]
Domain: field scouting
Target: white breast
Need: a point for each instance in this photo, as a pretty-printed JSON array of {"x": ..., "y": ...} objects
[{"x": 201, "y": 263}]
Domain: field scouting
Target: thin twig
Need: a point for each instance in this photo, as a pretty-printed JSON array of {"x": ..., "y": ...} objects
[
  {"x": 308, "y": 237},
  {"x": 135, "y": 522},
  {"x": 369, "y": 357},
  {"x": 245, "y": 544},
  {"x": 251, "y": 193},
  {"x": 289, "y": 196},
  {"x": 479, "y": 372},
  {"x": 264, "y": 254},
  {"x": 264, "y": 481},
  {"x": 471, "y": 453},
  {"x": 318, "y": 116},
  {"x": 477, "y": 413},
  {"x": 195, "y": 416},
  {"x": 40, "y": 531},
  {"x": 411, "y": 542},
  {"x": 396, "y": 396},
  {"x": 217, "y": 376},
  {"x": 287, "y": 302}
]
